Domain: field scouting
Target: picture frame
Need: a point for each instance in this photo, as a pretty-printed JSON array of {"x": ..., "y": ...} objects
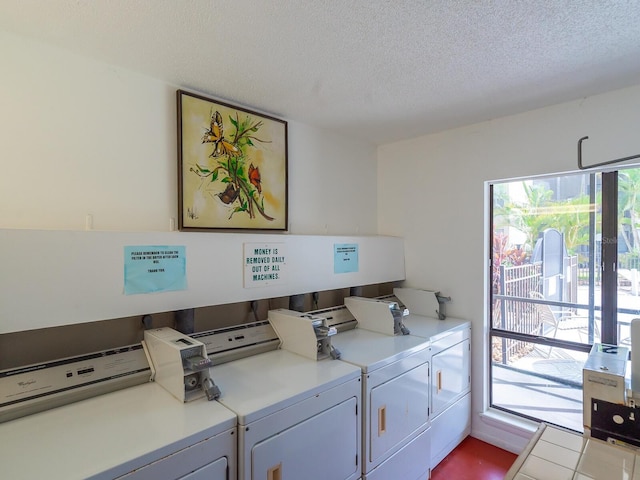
[{"x": 232, "y": 167}]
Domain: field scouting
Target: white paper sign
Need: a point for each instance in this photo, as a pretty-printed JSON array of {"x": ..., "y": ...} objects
[{"x": 264, "y": 264}]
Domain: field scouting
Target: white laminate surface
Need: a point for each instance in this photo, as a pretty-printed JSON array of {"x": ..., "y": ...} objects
[
  {"x": 259, "y": 385},
  {"x": 371, "y": 350},
  {"x": 108, "y": 435},
  {"x": 433, "y": 328}
]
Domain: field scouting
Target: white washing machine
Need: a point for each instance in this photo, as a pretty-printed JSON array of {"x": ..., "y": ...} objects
[
  {"x": 138, "y": 433},
  {"x": 395, "y": 392},
  {"x": 298, "y": 418},
  {"x": 450, "y": 386}
]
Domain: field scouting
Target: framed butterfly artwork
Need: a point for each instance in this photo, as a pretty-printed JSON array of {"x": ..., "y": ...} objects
[{"x": 232, "y": 167}]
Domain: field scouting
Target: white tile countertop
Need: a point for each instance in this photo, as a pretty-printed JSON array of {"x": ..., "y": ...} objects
[{"x": 557, "y": 454}]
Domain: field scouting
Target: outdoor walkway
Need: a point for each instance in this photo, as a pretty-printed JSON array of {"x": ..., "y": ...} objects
[{"x": 546, "y": 388}]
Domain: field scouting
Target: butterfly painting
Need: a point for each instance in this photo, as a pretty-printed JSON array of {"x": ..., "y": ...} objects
[{"x": 232, "y": 167}]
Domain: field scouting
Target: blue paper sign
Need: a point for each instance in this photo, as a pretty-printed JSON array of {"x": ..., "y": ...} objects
[
  {"x": 154, "y": 268},
  {"x": 345, "y": 257}
]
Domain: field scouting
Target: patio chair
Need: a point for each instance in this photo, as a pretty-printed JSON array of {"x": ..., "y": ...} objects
[
  {"x": 546, "y": 317},
  {"x": 559, "y": 320}
]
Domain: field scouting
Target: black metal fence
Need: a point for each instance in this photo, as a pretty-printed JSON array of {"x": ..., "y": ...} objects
[{"x": 513, "y": 315}]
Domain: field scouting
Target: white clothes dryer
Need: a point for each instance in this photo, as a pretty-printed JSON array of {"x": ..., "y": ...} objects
[
  {"x": 298, "y": 418},
  {"x": 138, "y": 433},
  {"x": 450, "y": 385},
  {"x": 395, "y": 396}
]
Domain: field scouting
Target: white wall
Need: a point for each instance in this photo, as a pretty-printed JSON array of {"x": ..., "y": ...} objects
[
  {"x": 81, "y": 137},
  {"x": 78, "y": 277},
  {"x": 431, "y": 191}
]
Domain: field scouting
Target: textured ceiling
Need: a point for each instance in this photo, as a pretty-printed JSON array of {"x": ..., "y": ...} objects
[{"x": 379, "y": 70}]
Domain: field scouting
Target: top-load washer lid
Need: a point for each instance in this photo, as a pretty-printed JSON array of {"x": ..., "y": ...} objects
[
  {"x": 431, "y": 328},
  {"x": 262, "y": 384},
  {"x": 372, "y": 350},
  {"x": 109, "y": 435}
]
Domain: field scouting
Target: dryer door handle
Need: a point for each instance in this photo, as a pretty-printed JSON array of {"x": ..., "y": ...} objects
[
  {"x": 382, "y": 420},
  {"x": 275, "y": 473}
]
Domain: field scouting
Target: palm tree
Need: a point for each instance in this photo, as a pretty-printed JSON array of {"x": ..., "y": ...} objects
[
  {"x": 629, "y": 207},
  {"x": 538, "y": 212}
]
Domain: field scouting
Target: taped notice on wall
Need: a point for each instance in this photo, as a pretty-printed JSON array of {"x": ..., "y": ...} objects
[
  {"x": 154, "y": 268},
  {"x": 345, "y": 258},
  {"x": 265, "y": 264}
]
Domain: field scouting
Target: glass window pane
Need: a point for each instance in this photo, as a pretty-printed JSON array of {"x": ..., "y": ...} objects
[
  {"x": 540, "y": 382},
  {"x": 546, "y": 284},
  {"x": 574, "y": 325},
  {"x": 628, "y": 252},
  {"x": 545, "y": 274}
]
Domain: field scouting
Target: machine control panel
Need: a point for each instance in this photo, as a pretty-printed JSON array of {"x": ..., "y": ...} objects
[
  {"x": 339, "y": 317},
  {"x": 33, "y": 388},
  {"x": 225, "y": 341}
]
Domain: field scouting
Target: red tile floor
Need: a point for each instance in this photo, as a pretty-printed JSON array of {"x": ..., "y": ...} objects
[{"x": 474, "y": 459}]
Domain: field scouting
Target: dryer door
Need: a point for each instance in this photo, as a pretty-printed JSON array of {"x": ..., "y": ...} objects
[
  {"x": 215, "y": 470},
  {"x": 451, "y": 376},
  {"x": 321, "y": 447},
  {"x": 197, "y": 462},
  {"x": 399, "y": 408}
]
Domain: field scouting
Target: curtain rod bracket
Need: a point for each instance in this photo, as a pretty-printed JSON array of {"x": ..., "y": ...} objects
[{"x": 582, "y": 167}]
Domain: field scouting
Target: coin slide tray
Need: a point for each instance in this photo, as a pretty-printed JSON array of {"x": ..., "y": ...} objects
[
  {"x": 180, "y": 363},
  {"x": 302, "y": 333},
  {"x": 373, "y": 314}
]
